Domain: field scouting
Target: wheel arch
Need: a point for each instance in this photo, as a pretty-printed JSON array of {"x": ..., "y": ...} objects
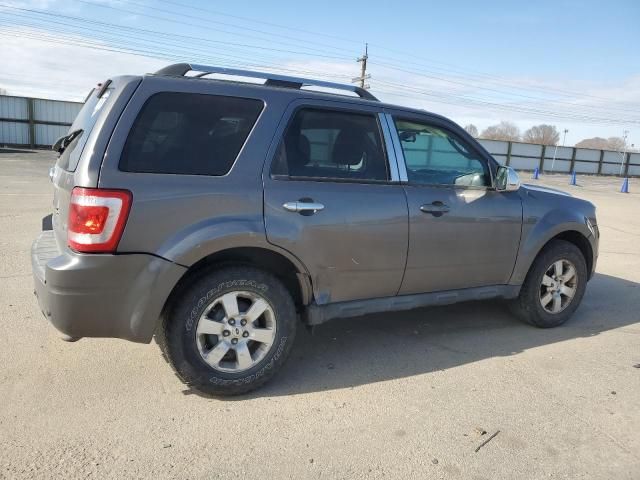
[
  {"x": 288, "y": 270},
  {"x": 580, "y": 241},
  {"x": 572, "y": 235}
]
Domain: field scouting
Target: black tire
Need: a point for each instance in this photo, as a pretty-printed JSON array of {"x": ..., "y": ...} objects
[
  {"x": 177, "y": 333},
  {"x": 528, "y": 306}
]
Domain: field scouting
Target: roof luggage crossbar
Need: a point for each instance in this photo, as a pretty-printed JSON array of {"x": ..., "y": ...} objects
[{"x": 181, "y": 69}]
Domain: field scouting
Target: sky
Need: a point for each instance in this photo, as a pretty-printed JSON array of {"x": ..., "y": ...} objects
[{"x": 572, "y": 64}]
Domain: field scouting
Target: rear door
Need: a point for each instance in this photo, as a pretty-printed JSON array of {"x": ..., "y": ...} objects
[
  {"x": 463, "y": 233},
  {"x": 332, "y": 198}
]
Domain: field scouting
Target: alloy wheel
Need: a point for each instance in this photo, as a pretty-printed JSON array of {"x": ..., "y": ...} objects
[
  {"x": 558, "y": 287},
  {"x": 236, "y": 331}
]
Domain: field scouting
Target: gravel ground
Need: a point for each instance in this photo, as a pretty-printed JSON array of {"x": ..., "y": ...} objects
[{"x": 404, "y": 395}]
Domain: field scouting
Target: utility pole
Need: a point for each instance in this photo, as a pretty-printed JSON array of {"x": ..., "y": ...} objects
[
  {"x": 363, "y": 68},
  {"x": 624, "y": 151},
  {"x": 564, "y": 138}
]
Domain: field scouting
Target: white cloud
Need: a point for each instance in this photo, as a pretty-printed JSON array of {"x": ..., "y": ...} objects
[
  {"x": 38, "y": 68},
  {"x": 66, "y": 72}
]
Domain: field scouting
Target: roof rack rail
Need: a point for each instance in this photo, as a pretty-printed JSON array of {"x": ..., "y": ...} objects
[{"x": 181, "y": 69}]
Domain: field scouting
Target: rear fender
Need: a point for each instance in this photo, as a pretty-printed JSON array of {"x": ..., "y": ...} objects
[{"x": 196, "y": 242}]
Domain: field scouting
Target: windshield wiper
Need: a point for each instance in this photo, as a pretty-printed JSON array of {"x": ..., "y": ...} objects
[{"x": 63, "y": 142}]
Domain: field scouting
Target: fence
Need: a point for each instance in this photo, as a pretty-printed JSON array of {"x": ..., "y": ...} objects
[
  {"x": 38, "y": 123},
  {"x": 527, "y": 156},
  {"x": 34, "y": 122}
]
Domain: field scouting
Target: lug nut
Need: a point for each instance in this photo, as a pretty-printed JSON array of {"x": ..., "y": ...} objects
[
  {"x": 232, "y": 322},
  {"x": 243, "y": 322},
  {"x": 245, "y": 334},
  {"x": 226, "y": 333},
  {"x": 234, "y": 341}
]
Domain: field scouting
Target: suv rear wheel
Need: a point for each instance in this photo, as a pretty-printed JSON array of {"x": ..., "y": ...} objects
[
  {"x": 229, "y": 331},
  {"x": 554, "y": 286}
]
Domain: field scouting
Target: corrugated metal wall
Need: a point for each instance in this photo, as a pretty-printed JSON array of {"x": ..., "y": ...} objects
[
  {"x": 526, "y": 156},
  {"x": 48, "y": 134},
  {"x": 14, "y": 133},
  {"x": 55, "y": 111},
  {"x": 14, "y": 107},
  {"x": 34, "y": 122}
]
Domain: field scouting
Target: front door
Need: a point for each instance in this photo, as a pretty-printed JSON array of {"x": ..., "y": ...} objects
[
  {"x": 463, "y": 233},
  {"x": 330, "y": 200}
]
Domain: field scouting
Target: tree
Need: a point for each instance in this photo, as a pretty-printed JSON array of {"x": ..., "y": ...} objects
[
  {"x": 616, "y": 143},
  {"x": 599, "y": 143},
  {"x": 542, "y": 135},
  {"x": 472, "y": 130},
  {"x": 506, "y": 131},
  {"x": 3, "y": 91}
]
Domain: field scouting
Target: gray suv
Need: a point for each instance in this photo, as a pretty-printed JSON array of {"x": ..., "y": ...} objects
[{"x": 219, "y": 215}]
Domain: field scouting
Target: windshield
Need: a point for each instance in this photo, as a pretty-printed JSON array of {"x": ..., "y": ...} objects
[{"x": 83, "y": 124}]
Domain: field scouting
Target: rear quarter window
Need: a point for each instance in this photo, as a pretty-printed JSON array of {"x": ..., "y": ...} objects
[
  {"x": 85, "y": 121},
  {"x": 189, "y": 134}
]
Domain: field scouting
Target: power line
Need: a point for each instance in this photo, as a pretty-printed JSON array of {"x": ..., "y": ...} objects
[
  {"x": 111, "y": 32},
  {"x": 451, "y": 67},
  {"x": 135, "y": 48},
  {"x": 208, "y": 26},
  {"x": 470, "y": 101},
  {"x": 469, "y": 85},
  {"x": 454, "y": 100},
  {"x": 387, "y": 65},
  {"x": 262, "y": 22},
  {"x": 221, "y": 42}
]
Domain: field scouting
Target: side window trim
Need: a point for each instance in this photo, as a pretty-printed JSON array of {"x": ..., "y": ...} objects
[
  {"x": 402, "y": 166},
  {"x": 390, "y": 149},
  {"x": 397, "y": 147},
  {"x": 386, "y": 137}
]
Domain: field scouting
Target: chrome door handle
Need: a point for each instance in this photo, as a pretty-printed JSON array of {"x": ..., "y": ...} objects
[{"x": 299, "y": 207}]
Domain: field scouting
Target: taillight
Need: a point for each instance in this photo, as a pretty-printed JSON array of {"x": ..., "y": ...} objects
[{"x": 97, "y": 218}]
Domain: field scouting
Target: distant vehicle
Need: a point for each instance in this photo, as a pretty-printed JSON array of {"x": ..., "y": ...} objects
[{"x": 220, "y": 215}]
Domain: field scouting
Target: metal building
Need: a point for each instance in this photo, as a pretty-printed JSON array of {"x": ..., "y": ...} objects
[{"x": 34, "y": 122}]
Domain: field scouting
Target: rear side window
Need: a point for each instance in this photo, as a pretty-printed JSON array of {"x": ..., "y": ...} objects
[
  {"x": 189, "y": 134},
  {"x": 328, "y": 144}
]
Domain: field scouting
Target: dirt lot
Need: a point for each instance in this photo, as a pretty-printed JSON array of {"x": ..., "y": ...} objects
[{"x": 387, "y": 396}]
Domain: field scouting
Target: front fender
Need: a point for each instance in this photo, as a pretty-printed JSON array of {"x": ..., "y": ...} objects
[{"x": 538, "y": 229}]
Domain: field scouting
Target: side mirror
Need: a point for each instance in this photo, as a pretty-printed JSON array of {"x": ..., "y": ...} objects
[
  {"x": 408, "y": 136},
  {"x": 507, "y": 180}
]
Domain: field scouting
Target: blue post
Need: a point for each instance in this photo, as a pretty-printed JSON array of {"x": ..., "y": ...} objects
[
  {"x": 573, "y": 178},
  {"x": 536, "y": 173},
  {"x": 625, "y": 186}
]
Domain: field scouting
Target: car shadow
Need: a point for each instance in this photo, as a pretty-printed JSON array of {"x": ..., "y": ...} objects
[
  {"x": 375, "y": 348},
  {"x": 16, "y": 150}
]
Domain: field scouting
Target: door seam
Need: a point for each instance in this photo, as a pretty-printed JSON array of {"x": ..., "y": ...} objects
[{"x": 406, "y": 257}]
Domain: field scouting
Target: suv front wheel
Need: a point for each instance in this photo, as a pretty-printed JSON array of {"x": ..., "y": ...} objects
[
  {"x": 228, "y": 332},
  {"x": 554, "y": 286}
]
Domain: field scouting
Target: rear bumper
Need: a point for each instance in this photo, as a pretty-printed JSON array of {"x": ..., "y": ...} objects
[{"x": 91, "y": 295}]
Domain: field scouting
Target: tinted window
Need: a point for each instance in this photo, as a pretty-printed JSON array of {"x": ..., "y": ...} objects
[
  {"x": 332, "y": 144},
  {"x": 436, "y": 157},
  {"x": 85, "y": 120},
  {"x": 189, "y": 134}
]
